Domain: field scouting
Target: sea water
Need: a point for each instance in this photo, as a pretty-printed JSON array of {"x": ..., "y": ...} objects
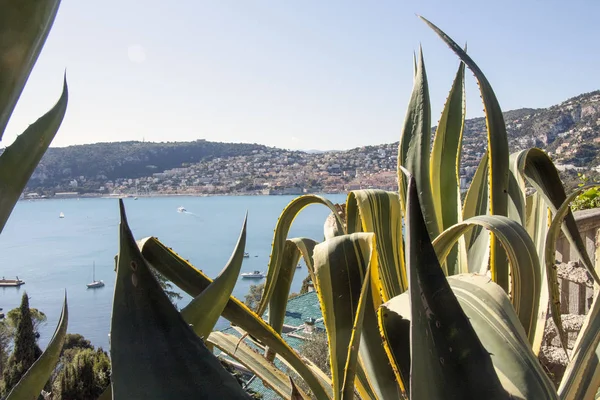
[{"x": 53, "y": 255}]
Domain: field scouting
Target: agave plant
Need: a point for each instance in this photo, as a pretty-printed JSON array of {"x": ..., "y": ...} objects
[
  {"x": 24, "y": 27},
  {"x": 453, "y": 307}
]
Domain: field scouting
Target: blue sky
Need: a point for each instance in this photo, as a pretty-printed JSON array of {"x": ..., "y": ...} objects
[{"x": 300, "y": 74}]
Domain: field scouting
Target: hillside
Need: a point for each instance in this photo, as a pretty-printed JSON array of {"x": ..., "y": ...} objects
[{"x": 569, "y": 132}]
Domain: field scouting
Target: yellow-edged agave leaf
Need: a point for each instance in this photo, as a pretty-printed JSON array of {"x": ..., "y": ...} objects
[
  {"x": 448, "y": 360},
  {"x": 19, "y": 160},
  {"x": 525, "y": 279},
  {"x": 204, "y": 310},
  {"x": 154, "y": 352},
  {"x": 477, "y": 240},
  {"x": 36, "y": 377},
  {"x": 193, "y": 282},
  {"x": 550, "y": 253},
  {"x": 582, "y": 376},
  {"x": 265, "y": 370},
  {"x": 537, "y": 223},
  {"x": 498, "y": 155},
  {"x": 281, "y": 231},
  {"x": 541, "y": 173},
  {"x": 379, "y": 212},
  {"x": 445, "y": 164},
  {"x": 395, "y": 331},
  {"x": 323, "y": 377},
  {"x": 517, "y": 206},
  {"x": 413, "y": 151},
  {"x": 24, "y": 27}
]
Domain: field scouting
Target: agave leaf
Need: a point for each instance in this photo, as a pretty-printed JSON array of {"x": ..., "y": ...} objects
[
  {"x": 541, "y": 173},
  {"x": 582, "y": 376},
  {"x": 281, "y": 231},
  {"x": 413, "y": 151},
  {"x": 154, "y": 352},
  {"x": 445, "y": 163},
  {"x": 341, "y": 265},
  {"x": 476, "y": 203},
  {"x": 24, "y": 28},
  {"x": 526, "y": 282},
  {"x": 265, "y": 370},
  {"x": 204, "y": 310},
  {"x": 497, "y": 153},
  {"x": 193, "y": 282},
  {"x": 379, "y": 212},
  {"x": 18, "y": 161},
  {"x": 395, "y": 331},
  {"x": 295, "y": 392},
  {"x": 537, "y": 222},
  {"x": 550, "y": 252},
  {"x": 322, "y": 376},
  {"x": 32, "y": 383},
  {"x": 447, "y": 358},
  {"x": 107, "y": 394}
]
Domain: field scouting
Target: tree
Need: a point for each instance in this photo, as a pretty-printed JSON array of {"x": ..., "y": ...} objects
[
  {"x": 37, "y": 319},
  {"x": 85, "y": 376},
  {"x": 254, "y": 295},
  {"x": 25, "y": 351}
]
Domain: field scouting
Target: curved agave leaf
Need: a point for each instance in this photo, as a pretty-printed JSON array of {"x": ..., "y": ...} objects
[
  {"x": 18, "y": 161},
  {"x": 204, "y": 311},
  {"x": 395, "y": 331},
  {"x": 154, "y": 352},
  {"x": 342, "y": 271},
  {"x": 266, "y": 371},
  {"x": 193, "y": 282},
  {"x": 539, "y": 170},
  {"x": 582, "y": 376},
  {"x": 537, "y": 223},
  {"x": 32, "y": 383},
  {"x": 493, "y": 318},
  {"x": 497, "y": 152},
  {"x": 550, "y": 252},
  {"x": 447, "y": 358},
  {"x": 24, "y": 27},
  {"x": 413, "y": 151},
  {"x": 295, "y": 392},
  {"x": 445, "y": 164},
  {"x": 281, "y": 231},
  {"x": 379, "y": 212},
  {"x": 476, "y": 203},
  {"x": 525, "y": 272}
]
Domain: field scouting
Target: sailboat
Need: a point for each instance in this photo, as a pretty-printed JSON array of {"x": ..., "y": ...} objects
[
  {"x": 95, "y": 284},
  {"x": 61, "y": 215}
]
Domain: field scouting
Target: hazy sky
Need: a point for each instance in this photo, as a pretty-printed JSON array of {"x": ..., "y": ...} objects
[{"x": 301, "y": 74}]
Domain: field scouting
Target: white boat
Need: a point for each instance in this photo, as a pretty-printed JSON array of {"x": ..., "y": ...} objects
[
  {"x": 246, "y": 255},
  {"x": 61, "y": 215},
  {"x": 253, "y": 275},
  {"x": 135, "y": 198},
  {"x": 181, "y": 209},
  {"x": 95, "y": 283},
  {"x": 299, "y": 265}
]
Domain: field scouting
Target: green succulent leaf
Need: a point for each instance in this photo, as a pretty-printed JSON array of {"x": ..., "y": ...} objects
[
  {"x": 448, "y": 359},
  {"x": 281, "y": 231},
  {"x": 498, "y": 155},
  {"x": 541, "y": 173},
  {"x": 526, "y": 281},
  {"x": 379, "y": 212},
  {"x": 395, "y": 331},
  {"x": 154, "y": 352},
  {"x": 193, "y": 282},
  {"x": 445, "y": 164},
  {"x": 19, "y": 160},
  {"x": 24, "y": 27},
  {"x": 477, "y": 240},
  {"x": 204, "y": 311},
  {"x": 265, "y": 370},
  {"x": 32, "y": 383},
  {"x": 415, "y": 141}
]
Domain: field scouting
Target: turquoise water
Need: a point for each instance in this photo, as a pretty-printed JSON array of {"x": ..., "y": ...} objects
[{"x": 53, "y": 255}]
